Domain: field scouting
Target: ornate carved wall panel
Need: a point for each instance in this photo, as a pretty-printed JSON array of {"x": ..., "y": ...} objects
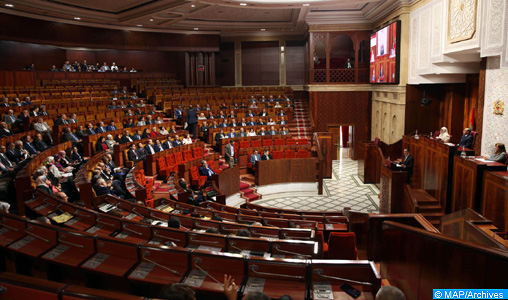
[{"x": 462, "y": 16}]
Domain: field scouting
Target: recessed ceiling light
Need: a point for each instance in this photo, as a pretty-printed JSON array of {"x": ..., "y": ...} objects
[
  {"x": 77, "y": 18},
  {"x": 306, "y": 4},
  {"x": 9, "y": 5},
  {"x": 139, "y": 25},
  {"x": 262, "y": 29},
  {"x": 193, "y": 5},
  {"x": 196, "y": 28},
  {"x": 151, "y": 20},
  {"x": 243, "y": 4}
]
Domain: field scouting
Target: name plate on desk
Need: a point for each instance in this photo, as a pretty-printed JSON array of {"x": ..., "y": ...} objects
[
  {"x": 96, "y": 261},
  {"x": 72, "y": 221},
  {"x": 122, "y": 235},
  {"x": 254, "y": 284},
  {"x": 106, "y": 207},
  {"x": 329, "y": 226},
  {"x": 322, "y": 291},
  {"x": 22, "y": 243},
  {"x": 195, "y": 278},
  {"x": 56, "y": 252},
  {"x": 255, "y": 253},
  {"x": 142, "y": 270},
  {"x": 208, "y": 248},
  {"x": 130, "y": 216},
  {"x": 94, "y": 229},
  {"x": 41, "y": 207},
  {"x": 28, "y": 202}
]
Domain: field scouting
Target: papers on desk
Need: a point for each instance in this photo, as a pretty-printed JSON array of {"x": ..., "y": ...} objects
[
  {"x": 106, "y": 207},
  {"x": 66, "y": 174},
  {"x": 254, "y": 284},
  {"x": 322, "y": 291},
  {"x": 208, "y": 248},
  {"x": 398, "y": 165},
  {"x": 450, "y": 144},
  {"x": 480, "y": 159},
  {"x": 61, "y": 218},
  {"x": 160, "y": 223},
  {"x": 254, "y": 253}
]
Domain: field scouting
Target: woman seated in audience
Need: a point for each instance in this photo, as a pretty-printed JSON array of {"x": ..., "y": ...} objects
[
  {"x": 159, "y": 120},
  {"x": 500, "y": 154},
  {"x": 141, "y": 122},
  {"x": 101, "y": 145},
  {"x": 271, "y": 122},
  {"x": 251, "y": 132},
  {"x": 173, "y": 129},
  {"x": 55, "y": 167},
  {"x": 146, "y": 134},
  {"x": 277, "y": 105},
  {"x": 202, "y": 116},
  {"x": 187, "y": 140},
  {"x": 443, "y": 135},
  {"x": 118, "y": 138},
  {"x": 253, "y": 105},
  {"x": 110, "y": 141},
  {"x": 154, "y": 132},
  {"x": 163, "y": 130}
]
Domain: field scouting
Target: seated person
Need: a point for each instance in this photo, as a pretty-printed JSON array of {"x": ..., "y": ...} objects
[
  {"x": 177, "y": 141},
  {"x": 132, "y": 154},
  {"x": 499, "y": 155},
  {"x": 255, "y": 157},
  {"x": 443, "y": 135},
  {"x": 273, "y": 131},
  {"x": 284, "y": 131},
  {"x": 266, "y": 155},
  {"x": 466, "y": 140},
  {"x": 39, "y": 143},
  {"x": 195, "y": 198},
  {"x": 174, "y": 222},
  {"x": 205, "y": 170}
]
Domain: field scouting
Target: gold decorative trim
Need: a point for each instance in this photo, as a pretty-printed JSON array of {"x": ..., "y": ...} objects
[{"x": 498, "y": 107}]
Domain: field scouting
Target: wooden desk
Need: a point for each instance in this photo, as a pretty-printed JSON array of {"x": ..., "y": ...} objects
[
  {"x": 468, "y": 182},
  {"x": 495, "y": 198},
  {"x": 228, "y": 181},
  {"x": 392, "y": 191},
  {"x": 286, "y": 170},
  {"x": 368, "y": 163},
  {"x": 433, "y": 168}
]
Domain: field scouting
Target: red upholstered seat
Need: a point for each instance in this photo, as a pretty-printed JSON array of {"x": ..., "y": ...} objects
[
  {"x": 162, "y": 168},
  {"x": 303, "y": 154},
  {"x": 197, "y": 179},
  {"x": 254, "y": 144},
  {"x": 474, "y": 133},
  {"x": 323, "y": 247},
  {"x": 267, "y": 143},
  {"x": 187, "y": 155},
  {"x": 198, "y": 152},
  {"x": 290, "y": 142},
  {"x": 211, "y": 163},
  {"x": 277, "y": 154},
  {"x": 342, "y": 245},
  {"x": 179, "y": 158},
  {"x": 376, "y": 141},
  {"x": 289, "y": 154},
  {"x": 279, "y": 142},
  {"x": 244, "y": 144},
  {"x": 303, "y": 141}
]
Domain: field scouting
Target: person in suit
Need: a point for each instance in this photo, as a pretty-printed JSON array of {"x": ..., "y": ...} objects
[
  {"x": 5, "y": 102},
  {"x": 282, "y": 121},
  {"x": 28, "y": 146},
  {"x": 89, "y": 129},
  {"x": 205, "y": 170},
  {"x": 466, "y": 140},
  {"x": 126, "y": 137},
  {"x": 191, "y": 119},
  {"x": 141, "y": 151},
  {"x": 262, "y": 131},
  {"x": 233, "y": 123},
  {"x": 232, "y": 115},
  {"x": 348, "y": 64},
  {"x": 28, "y": 101},
  {"x": 149, "y": 148},
  {"x": 129, "y": 123},
  {"x": 249, "y": 114},
  {"x": 149, "y": 120},
  {"x": 214, "y": 125},
  {"x": 232, "y": 133},
  {"x": 254, "y": 158},
  {"x": 281, "y": 113},
  {"x": 261, "y": 122},
  {"x": 408, "y": 164},
  {"x": 34, "y": 112},
  {"x": 4, "y": 159},
  {"x": 132, "y": 154},
  {"x": 252, "y": 122},
  {"x": 204, "y": 130},
  {"x": 284, "y": 131},
  {"x": 266, "y": 155},
  {"x": 224, "y": 124},
  {"x": 111, "y": 126},
  {"x": 4, "y": 130},
  {"x": 75, "y": 156},
  {"x": 219, "y": 136},
  {"x": 43, "y": 127},
  {"x": 243, "y": 122},
  {"x": 81, "y": 132},
  {"x": 10, "y": 118},
  {"x": 273, "y": 131},
  {"x": 101, "y": 128},
  {"x": 61, "y": 120},
  {"x": 241, "y": 133},
  {"x": 44, "y": 111},
  {"x": 167, "y": 144},
  {"x": 137, "y": 136},
  {"x": 263, "y": 113},
  {"x": 230, "y": 153},
  {"x": 73, "y": 119},
  {"x": 39, "y": 143},
  {"x": 15, "y": 152},
  {"x": 177, "y": 141},
  {"x": 113, "y": 105}
]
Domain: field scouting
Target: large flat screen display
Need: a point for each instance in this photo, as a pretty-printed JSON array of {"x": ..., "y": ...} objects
[{"x": 385, "y": 54}]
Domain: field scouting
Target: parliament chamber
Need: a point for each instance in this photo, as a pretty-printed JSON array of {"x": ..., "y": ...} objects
[{"x": 227, "y": 149}]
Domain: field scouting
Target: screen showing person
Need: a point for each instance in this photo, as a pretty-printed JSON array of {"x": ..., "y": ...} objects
[{"x": 384, "y": 54}]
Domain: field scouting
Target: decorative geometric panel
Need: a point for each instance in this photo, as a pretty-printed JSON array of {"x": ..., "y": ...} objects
[
  {"x": 461, "y": 20},
  {"x": 342, "y": 75},
  {"x": 319, "y": 75}
]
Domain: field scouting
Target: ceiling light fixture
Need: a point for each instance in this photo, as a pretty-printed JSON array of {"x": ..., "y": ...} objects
[
  {"x": 9, "y": 5},
  {"x": 77, "y": 18},
  {"x": 151, "y": 20},
  {"x": 306, "y": 4},
  {"x": 196, "y": 28},
  {"x": 193, "y": 5},
  {"x": 139, "y": 25},
  {"x": 243, "y": 4},
  {"x": 262, "y": 29}
]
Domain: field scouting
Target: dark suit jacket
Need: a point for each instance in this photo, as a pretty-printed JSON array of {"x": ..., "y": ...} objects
[
  {"x": 227, "y": 152},
  {"x": 191, "y": 117},
  {"x": 6, "y": 160},
  {"x": 466, "y": 141},
  {"x": 273, "y": 132},
  {"x": 127, "y": 125},
  {"x": 141, "y": 153},
  {"x": 136, "y": 137},
  {"x": 68, "y": 137},
  {"x": 125, "y": 139},
  {"x": 131, "y": 154},
  {"x": 14, "y": 155},
  {"x": 409, "y": 163},
  {"x": 177, "y": 142},
  {"x": 102, "y": 190},
  {"x": 90, "y": 131},
  {"x": 81, "y": 133},
  {"x": 167, "y": 145},
  {"x": 4, "y": 133},
  {"x": 265, "y": 157},
  {"x": 60, "y": 121},
  {"x": 30, "y": 148},
  {"x": 204, "y": 171},
  {"x": 76, "y": 157}
]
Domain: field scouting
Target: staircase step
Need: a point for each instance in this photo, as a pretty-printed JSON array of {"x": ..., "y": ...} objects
[
  {"x": 431, "y": 209},
  {"x": 433, "y": 216}
]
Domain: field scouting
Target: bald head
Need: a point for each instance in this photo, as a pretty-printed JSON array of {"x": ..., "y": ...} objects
[{"x": 390, "y": 293}]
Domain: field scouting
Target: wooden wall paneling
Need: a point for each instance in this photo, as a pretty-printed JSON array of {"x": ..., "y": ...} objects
[
  {"x": 479, "y": 106},
  {"x": 225, "y": 63},
  {"x": 495, "y": 199},
  {"x": 200, "y": 74},
  {"x": 7, "y": 78},
  {"x": 295, "y": 62},
  {"x": 260, "y": 63}
]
